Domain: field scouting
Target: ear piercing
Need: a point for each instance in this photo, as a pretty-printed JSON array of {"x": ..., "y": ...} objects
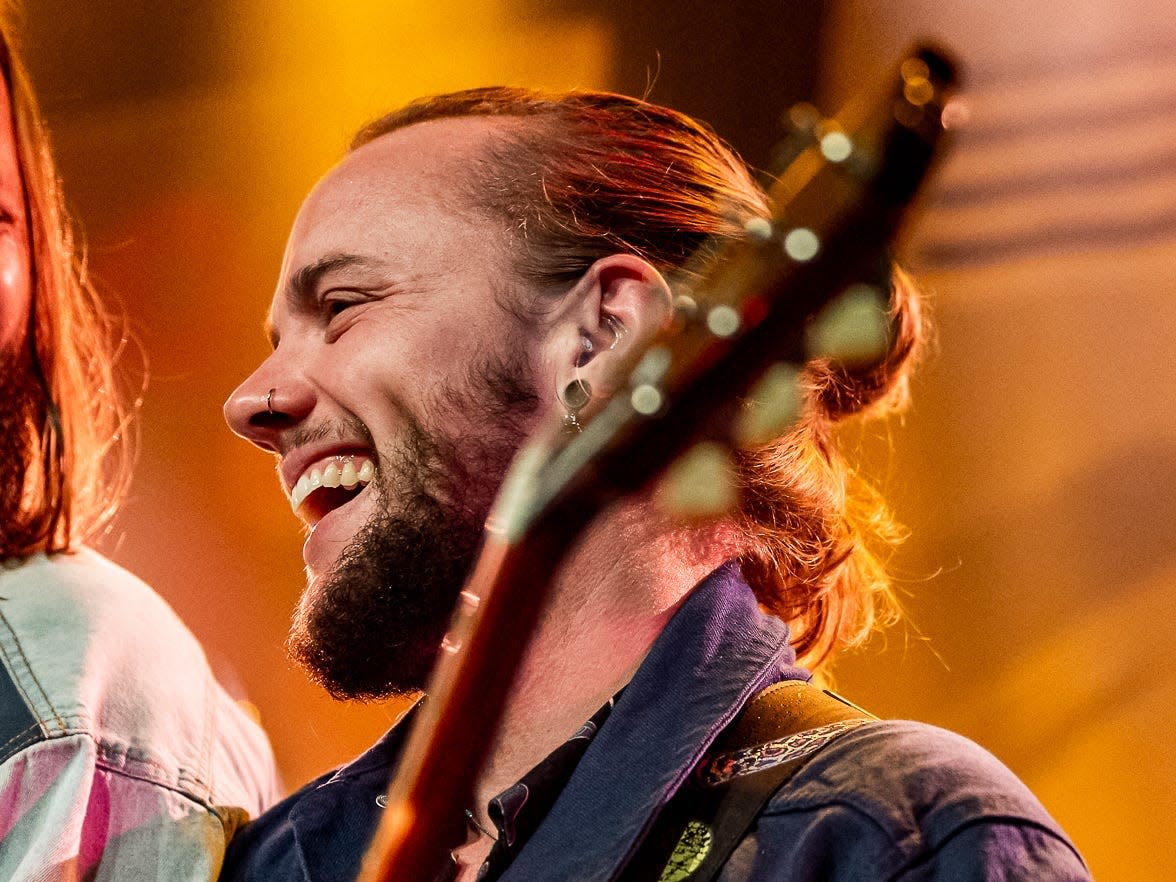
[
  {"x": 578, "y": 393},
  {"x": 269, "y": 401},
  {"x": 618, "y": 329},
  {"x": 574, "y": 396},
  {"x": 588, "y": 348}
]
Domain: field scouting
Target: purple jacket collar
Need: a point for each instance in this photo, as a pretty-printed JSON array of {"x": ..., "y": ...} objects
[{"x": 716, "y": 653}]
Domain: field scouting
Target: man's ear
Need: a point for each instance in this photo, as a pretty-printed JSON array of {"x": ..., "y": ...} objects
[{"x": 619, "y": 303}]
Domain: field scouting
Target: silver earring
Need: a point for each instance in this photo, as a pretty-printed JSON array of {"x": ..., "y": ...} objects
[
  {"x": 618, "y": 329},
  {"x": 269, "y": 402},
  {"x": 587, "y": 348},
  {"x": 574, "y": 396}
]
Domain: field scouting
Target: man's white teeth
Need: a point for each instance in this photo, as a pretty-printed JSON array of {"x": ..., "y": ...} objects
[
  {"x": 331, "y": 476},
  {"x": 338, "y": 473}
]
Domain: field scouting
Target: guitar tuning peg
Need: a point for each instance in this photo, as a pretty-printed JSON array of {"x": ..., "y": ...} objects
[
  {"x": 700, "y": 484},
  {"x": 772, "y": 406},
  {"x": 836, "y": 146},
  {"x": 802, "y": 122},
  {"x": 853, "y": 329},
  {"x": 803, "y": 118}
]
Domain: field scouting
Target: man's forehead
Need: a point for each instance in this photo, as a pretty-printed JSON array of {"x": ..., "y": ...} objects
[
  {"x": 432, "y": 158},
  {"x": 423, "y": 167},
  {"x": 420, "y": 169}
]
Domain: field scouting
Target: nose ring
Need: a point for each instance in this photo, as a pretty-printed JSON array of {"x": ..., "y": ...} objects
[{"x": 269, "y": 400}]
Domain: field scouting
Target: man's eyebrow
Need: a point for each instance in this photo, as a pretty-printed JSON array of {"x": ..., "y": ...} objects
[{"x": 302, "y": 286}]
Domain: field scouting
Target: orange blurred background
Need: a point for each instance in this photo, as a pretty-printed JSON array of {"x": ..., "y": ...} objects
[{"x": 1037, "y": 471}]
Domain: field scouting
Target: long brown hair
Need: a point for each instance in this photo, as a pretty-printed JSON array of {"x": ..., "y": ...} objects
[
  {"x": 70, "y": 467},
  {"x": 586, "y": 174}
]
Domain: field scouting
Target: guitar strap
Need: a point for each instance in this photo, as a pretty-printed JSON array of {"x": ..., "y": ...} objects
[{"x": 767, "y": 744}]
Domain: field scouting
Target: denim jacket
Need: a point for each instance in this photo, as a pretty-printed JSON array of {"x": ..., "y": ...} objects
[
  {"x": 887, "y": 800},
  {"x": 120, "y": 756}
]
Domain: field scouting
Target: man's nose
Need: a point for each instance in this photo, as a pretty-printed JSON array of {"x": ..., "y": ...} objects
[{"x": 265, "y": 405}]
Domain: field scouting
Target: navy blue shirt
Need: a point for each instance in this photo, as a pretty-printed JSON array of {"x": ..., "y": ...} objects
[{"x": 888, "y": 800}]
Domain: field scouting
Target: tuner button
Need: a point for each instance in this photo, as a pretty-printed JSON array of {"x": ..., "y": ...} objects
[
  {"x": 908, "y": 114},
  {"x": 758, "y": 228},
  {"x": 700, "y": 484},
  {"x": 836, "y": 146},
  {"x": 723, "y": 321},
  {"x": 914, "y": 68},
  {"x": 772, "y": 406},
  {"x": 653, "y": 365},
  {"x": 801, "y": 244},
  {"x": 854, "y": 328},
  {"x": 646, "y": 399},
  {"x": 803, "y": 117}
]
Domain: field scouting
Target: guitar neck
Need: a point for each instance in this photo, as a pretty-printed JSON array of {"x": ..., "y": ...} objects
[{"x": 497, "y": 613}]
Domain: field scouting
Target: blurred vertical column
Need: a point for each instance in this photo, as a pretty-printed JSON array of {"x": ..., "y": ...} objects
[{"x": 1038, "y": 472}]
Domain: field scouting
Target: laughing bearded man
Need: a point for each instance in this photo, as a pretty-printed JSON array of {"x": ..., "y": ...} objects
[{"x": 471, "y": 255}]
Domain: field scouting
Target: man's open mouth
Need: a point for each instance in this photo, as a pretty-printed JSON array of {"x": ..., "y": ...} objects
[{"x": 329, "y": 484}]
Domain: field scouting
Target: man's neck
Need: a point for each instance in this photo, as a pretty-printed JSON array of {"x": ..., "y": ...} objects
[{"x": 609, "y": 603}]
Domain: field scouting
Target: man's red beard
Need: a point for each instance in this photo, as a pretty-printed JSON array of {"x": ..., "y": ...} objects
[{"x": 371, "y": 627}]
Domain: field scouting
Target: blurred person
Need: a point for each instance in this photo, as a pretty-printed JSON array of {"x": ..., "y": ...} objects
[
  {"x": 473, "y": 256},
  {"x": 120, "y": 756}
]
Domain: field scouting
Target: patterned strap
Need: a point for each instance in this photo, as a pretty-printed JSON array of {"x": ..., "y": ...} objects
[
  {"x": 761, "y": 757},
  {"x": 766, "y": 745}
]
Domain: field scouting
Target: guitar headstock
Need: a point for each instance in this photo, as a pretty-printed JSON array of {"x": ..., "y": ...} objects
[{"x": 751, "y": 311}]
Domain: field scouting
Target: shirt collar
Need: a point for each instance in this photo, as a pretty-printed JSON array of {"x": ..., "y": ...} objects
[
  {"x": 518, "y": 810},
  {"x": 716, "y": 652}
]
